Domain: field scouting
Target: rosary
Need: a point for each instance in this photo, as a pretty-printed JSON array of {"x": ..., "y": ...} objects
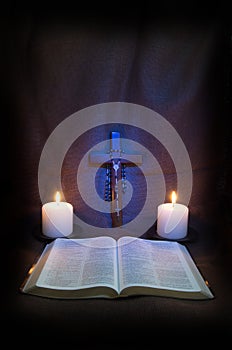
[
  {"x": 115, "y": 171},
  {"x": 108, "y": 183},
  {"x": 115, "y": 177}
]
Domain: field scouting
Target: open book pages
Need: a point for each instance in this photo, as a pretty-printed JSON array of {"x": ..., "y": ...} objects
[{"x": 105, "y": 268}]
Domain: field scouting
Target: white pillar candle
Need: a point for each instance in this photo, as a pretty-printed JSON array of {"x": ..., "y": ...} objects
[
  {"x": 172, "y": 220},
  {"x": 57, "y": 218}
]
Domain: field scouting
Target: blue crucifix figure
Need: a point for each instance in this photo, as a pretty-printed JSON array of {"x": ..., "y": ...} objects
[{"x": 115, "y": 185}]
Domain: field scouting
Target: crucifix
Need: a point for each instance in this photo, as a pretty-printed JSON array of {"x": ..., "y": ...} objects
[{"x": 115, "y": 161}]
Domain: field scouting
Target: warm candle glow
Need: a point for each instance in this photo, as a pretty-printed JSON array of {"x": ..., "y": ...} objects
[
  {"x": 174, "y": 196},
  {"x": 31, "y": 269},
  {"x": 57, "y": 197},
  {"x": 172, "y": 219},
  {"x": 57, "y": 217}
]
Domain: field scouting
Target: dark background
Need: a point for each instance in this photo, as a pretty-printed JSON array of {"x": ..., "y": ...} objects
[{"x": 55, "y": 62}]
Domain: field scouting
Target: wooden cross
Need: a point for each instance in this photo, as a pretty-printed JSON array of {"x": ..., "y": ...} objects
[{"x": 115, "y": 159}]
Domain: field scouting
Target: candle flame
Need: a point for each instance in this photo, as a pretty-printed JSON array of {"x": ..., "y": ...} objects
[
  {"x": 174, "y": 196},
  {"x": 57, "y": 197}
]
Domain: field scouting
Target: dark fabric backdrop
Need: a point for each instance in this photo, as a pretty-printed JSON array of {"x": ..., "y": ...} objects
[{"x": 57, "y": 65}]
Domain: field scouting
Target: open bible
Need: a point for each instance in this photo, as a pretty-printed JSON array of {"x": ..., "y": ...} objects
[{"x": 102, "y": 267}]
